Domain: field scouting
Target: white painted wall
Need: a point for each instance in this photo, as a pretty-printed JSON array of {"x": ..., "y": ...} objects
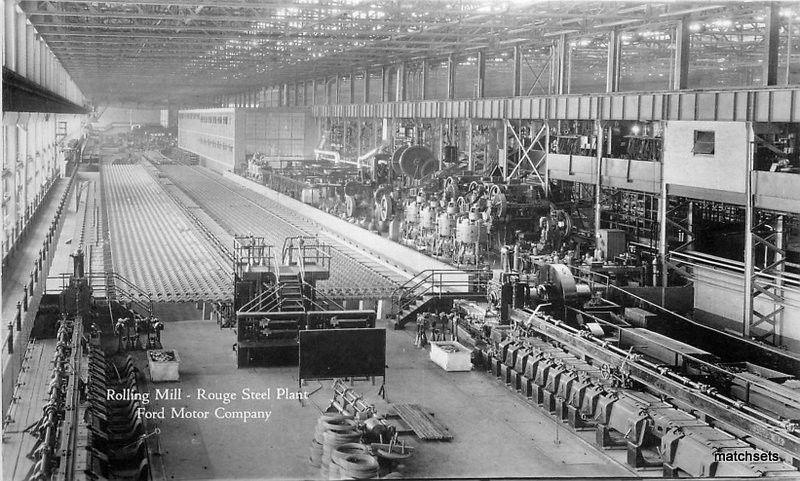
[
  {"x": 721, "y": 293},
  {"x": 724, "y": 170}
]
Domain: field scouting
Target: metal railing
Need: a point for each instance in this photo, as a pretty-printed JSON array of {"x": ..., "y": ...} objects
[
  {"x": 786, "y": 281},
  {"x": 256, "y": 304},
  {"x": 252, "y": 251},
  {"x": 305, "y": 251},
  {"x": 116, "y": 287},
  {"x": 438, "y": 282},
  {"x": 317, "y": 299}
]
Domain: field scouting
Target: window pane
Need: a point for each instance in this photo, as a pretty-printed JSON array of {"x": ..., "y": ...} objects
[
  {"x": 466, "y": 77},
  {"x": 437, "y": 79},
  {"x": 499, "y": 78},
  {"x": 646, "y": 60},
  {"x": 535, "y": 71},
  {"x": 726, "y": 53},
  {"x": 703, "y": 142},
  {"x": 588, "y": 62}
]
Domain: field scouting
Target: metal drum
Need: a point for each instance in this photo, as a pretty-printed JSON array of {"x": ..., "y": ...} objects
[
  {"x": 469, "y": 232},
  {"x": 412, "y": 212},
  {"x": 310, "y": 196},
  {"x": 444, "y": 225},
  {"x": 427, "y": 216},
  {"x": 452, "y": 208},
  {"x": 396, "y": 159},
  {"x": 417, "y": 161}
]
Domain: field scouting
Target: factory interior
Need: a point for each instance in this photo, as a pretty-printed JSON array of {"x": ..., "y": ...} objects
[{"x": 373, "y": 239}]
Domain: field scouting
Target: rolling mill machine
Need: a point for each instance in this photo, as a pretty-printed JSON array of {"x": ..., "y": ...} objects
[
  {"x": 455, "y": 215},
  {"x": 645, "y": 379},
  {"x": 275, "y": 300},
  {"x": 421, "y": 190}
]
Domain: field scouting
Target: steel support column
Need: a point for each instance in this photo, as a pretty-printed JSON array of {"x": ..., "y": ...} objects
[
  {"x": 598, "y": 173},
  {"x": 789, "y": 40},
  {"x": 747, "y": 314},
  {"x": 10, "y": 26},
  {"x": 400, "y": 84},
  {"x": 612, "y": 63},
  {"x": 366, "y": 86},
  {"x": 423, "y": 80},
  {"x": 546, "y": 157},
  {"x": 328, "y": 88},
  {"x": 560, "y": 59},
  {"x": 352, "y": 88},
  {"x": 481, "y": 74},
  {"x": 22, "y": 45},
  {"x": 451, "y": 77},
  {"x": 517, "y": 72},
  {"x": 470, "y": 153},
  {"x": 385, "y": 94},
  {"x": 771, "y": 45}
]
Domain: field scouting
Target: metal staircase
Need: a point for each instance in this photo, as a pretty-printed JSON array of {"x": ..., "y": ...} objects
[
  {"x": 291, "y": 292},
  {"x": 109, "y": 287},
  {"x": 433, "y": 286}
]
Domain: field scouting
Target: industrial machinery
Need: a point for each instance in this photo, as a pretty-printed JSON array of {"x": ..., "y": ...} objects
[
  {"x": 275, "y": 299},
  {"x": 643, "y": 378},
  {"x": 403, "y": 190}
]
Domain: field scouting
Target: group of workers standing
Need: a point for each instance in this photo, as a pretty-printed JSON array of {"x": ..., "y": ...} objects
[
  {"x": 150, "y": 327},
  {"x": 441, "y": 324}
]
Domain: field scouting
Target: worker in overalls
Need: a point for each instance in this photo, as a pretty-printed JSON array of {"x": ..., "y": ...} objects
[
  {"x": 422, "y": 337},
  {"x": 437, "y": 326},
  {"x": 119, "y": 329},
  {"x": 142, "y": 326},
  {"x": 156, "y": 328}
]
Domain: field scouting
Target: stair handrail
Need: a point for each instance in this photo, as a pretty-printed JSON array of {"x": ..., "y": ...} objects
[
  {"x": 309, "y": 249},
  {"x": 260, "y": 298},
  {"x": 318, "y": 295},
  {"x": 425, "y": 282},
  {"x": 135, "y": 294}
]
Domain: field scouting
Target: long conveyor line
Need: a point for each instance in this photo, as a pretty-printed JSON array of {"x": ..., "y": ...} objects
[
  {"x": 239, "y": 211},
  {"x": 155, "y": 246},
  {"x": 736, "y": 415}
]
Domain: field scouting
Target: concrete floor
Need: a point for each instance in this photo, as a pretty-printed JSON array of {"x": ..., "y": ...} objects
[{"x": 496, "y": 433}]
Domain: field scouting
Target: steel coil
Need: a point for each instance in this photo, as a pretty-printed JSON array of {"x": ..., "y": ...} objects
[{"x": 358, "y": 466}]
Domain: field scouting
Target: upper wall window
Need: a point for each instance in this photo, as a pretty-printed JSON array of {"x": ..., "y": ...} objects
[{"x": 703, "y": 142}]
